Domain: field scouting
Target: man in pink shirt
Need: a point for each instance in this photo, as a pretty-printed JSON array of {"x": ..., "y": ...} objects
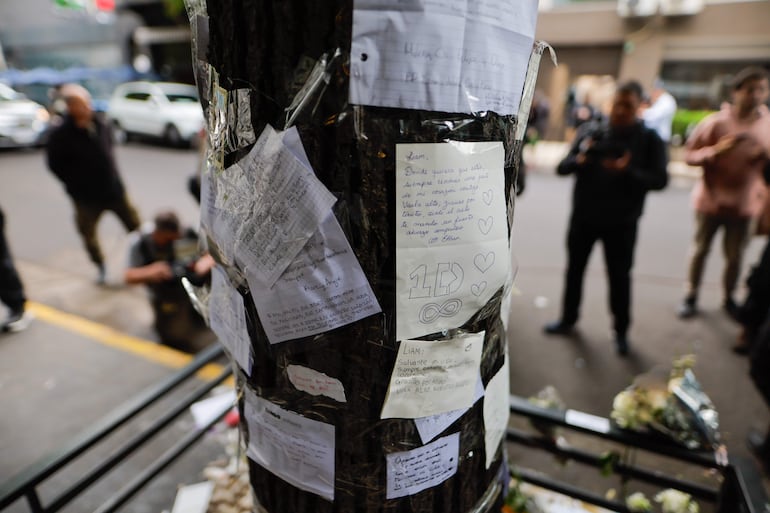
[{"x": 732, "y": 146}]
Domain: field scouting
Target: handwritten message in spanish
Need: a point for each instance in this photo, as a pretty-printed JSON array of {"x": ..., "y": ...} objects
[
  {"x": 433, "y": 377},
  {"x": 451, "y": 235},
  {"x": 411, "y": 472},
  {"x": 323, "y": 288}
]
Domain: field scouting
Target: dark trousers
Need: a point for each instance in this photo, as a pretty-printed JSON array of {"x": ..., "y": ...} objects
[
  {"x": 618, "y": 242},
  {"x": 87, "y": 216},
  {"x": 11, "y": 290}
]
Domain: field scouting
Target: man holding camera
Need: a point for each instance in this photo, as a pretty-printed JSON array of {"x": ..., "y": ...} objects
[
  {"x": 615, "y": 163},
  {"x": 159, "y": 258}
]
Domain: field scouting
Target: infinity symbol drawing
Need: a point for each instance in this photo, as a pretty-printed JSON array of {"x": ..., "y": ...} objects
[{"x": 432, "y": 311}]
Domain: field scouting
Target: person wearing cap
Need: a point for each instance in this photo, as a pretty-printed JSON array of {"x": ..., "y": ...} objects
[
  {"x": 80, "y": 155},
  {"x": 732, "y": 147}
]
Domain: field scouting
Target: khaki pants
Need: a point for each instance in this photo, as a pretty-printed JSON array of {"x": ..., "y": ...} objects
[
  {"x": 87, "y": 216},
  {"x": 737, "y": 233}
]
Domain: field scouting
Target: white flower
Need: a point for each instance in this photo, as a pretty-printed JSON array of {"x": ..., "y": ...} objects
[
  {"x": 638, "y": 503},
  {"x": 624, "y": 409},
  {"x": 674, "y": 501}
]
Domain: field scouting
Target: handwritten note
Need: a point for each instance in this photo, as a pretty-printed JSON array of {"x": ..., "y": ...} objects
[
  {"x": 288, "y": 204},
  {"x": 411, "y": 472},
  {"x": 262, "y": 210},
  {"x": 432, "y": 426},
  {"x": 496, "y": 411},
  {"x": 228, "y": 319},
  {"x": 451, "y": 234},
  {"x": 297, "y": 449},
  {"x": 323, "y": 288},
  {"x": 433, "y": 377},
  {"x": 441, "y": 55},
  {"x": 315, "y": 383}
]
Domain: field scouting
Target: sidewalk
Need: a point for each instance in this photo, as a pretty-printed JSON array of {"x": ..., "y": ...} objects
[{"x": 544, "y": 156}]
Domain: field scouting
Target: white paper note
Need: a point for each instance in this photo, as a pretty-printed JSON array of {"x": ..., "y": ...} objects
[
  {"x": 433, "y": 377},
  {"x": 227, "y": 319},
  {"x": 208, "y": 409},
  {"x": 432, "y": 426},
  {"x": 289, "y": 203},
  {"x": 323, "y": 288},
  {"x": 441, "y": 55},
  {"x": 451, "y": 235},
  {"x": 496, "y": 411},
  {"x": 315, "y": 383},
  {"x": 411, "y": 472},
  {"x": 297, "y": 449}
]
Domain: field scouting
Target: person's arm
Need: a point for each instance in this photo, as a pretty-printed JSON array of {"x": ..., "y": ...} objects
[
  {"x": 56, "y": 156},
  {"x": 701, "y": 147},
  {"x": 576, "y": 159},
  {"x": 155, "y": 272},
  {"x": 650, "y": 170},
  {"x": 141, "y": 272}
]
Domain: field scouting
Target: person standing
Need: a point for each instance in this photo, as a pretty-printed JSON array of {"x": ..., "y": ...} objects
[
  {"x": 11, "y": 289},
  {"x": 659, "y": 115},
  {"x": 80, "y": 154},
  {"x": 616, "y": 162},
  {"x": 732, "y": 147}
]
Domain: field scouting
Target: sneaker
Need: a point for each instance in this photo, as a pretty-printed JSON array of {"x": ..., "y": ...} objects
[
  {"x": 558, "y": 328},
  {"x": 17, "y": 321},
  {"x": 687, "y": 308},
  {"x": 101, "y": 277},
  {"x": 621, "y": 344},
  {"x": 731, "y": 308},
  {"x": 742, "y": 343}
]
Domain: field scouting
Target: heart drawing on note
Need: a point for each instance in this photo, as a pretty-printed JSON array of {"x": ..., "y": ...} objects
[
  {"x": 478, "y": 289},
  {"x": 485, "y": 225},
  {"x": 487, "y": 197},
  {"x": 484, "y": 262}
]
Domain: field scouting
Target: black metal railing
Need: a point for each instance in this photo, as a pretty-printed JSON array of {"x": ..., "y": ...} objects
[
  {"x": 25, "y": 484},
  {"x": 741, "y": 489}
]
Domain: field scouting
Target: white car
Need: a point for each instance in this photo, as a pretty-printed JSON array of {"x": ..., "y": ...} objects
[
  {"x": 22, "y": 121},
  {"x": 157, "y": 109}
]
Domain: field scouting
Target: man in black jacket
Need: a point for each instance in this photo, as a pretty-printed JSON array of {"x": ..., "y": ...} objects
[
  {"x": 80, "y": 154},
  {"x": 615, "y": 163}
]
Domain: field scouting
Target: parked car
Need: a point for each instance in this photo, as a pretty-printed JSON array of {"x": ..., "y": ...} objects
[
  {"x": 157, "y": 109},
  {"x": 23, "y": 122}
]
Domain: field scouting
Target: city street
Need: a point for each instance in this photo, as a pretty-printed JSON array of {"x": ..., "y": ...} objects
[{"x": 586, "y": 371}]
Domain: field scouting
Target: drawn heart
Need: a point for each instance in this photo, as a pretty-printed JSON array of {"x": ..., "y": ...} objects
[
  {"x": 487, "y": 197},
  {"x": 478, "y": 288},
  {"x": 485, "y": 225},
  {"x": 484, "y": 262}
]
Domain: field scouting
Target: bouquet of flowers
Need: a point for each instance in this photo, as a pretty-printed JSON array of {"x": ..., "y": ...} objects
[{"x": 676, "y": 407}]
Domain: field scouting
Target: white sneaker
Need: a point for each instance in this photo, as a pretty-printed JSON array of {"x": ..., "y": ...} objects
[{"x": 17, "y": 321}]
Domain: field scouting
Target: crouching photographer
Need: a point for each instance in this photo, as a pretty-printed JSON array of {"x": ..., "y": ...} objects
[{"x": 159, "y": 257}]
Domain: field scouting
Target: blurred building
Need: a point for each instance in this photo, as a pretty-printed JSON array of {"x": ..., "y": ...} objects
[
  {"x": 693, "y": 45},
  {"x": 125, "y": 37}
]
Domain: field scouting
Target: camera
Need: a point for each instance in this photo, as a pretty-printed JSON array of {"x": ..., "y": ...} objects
[{"x": 605, "y": 145}]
